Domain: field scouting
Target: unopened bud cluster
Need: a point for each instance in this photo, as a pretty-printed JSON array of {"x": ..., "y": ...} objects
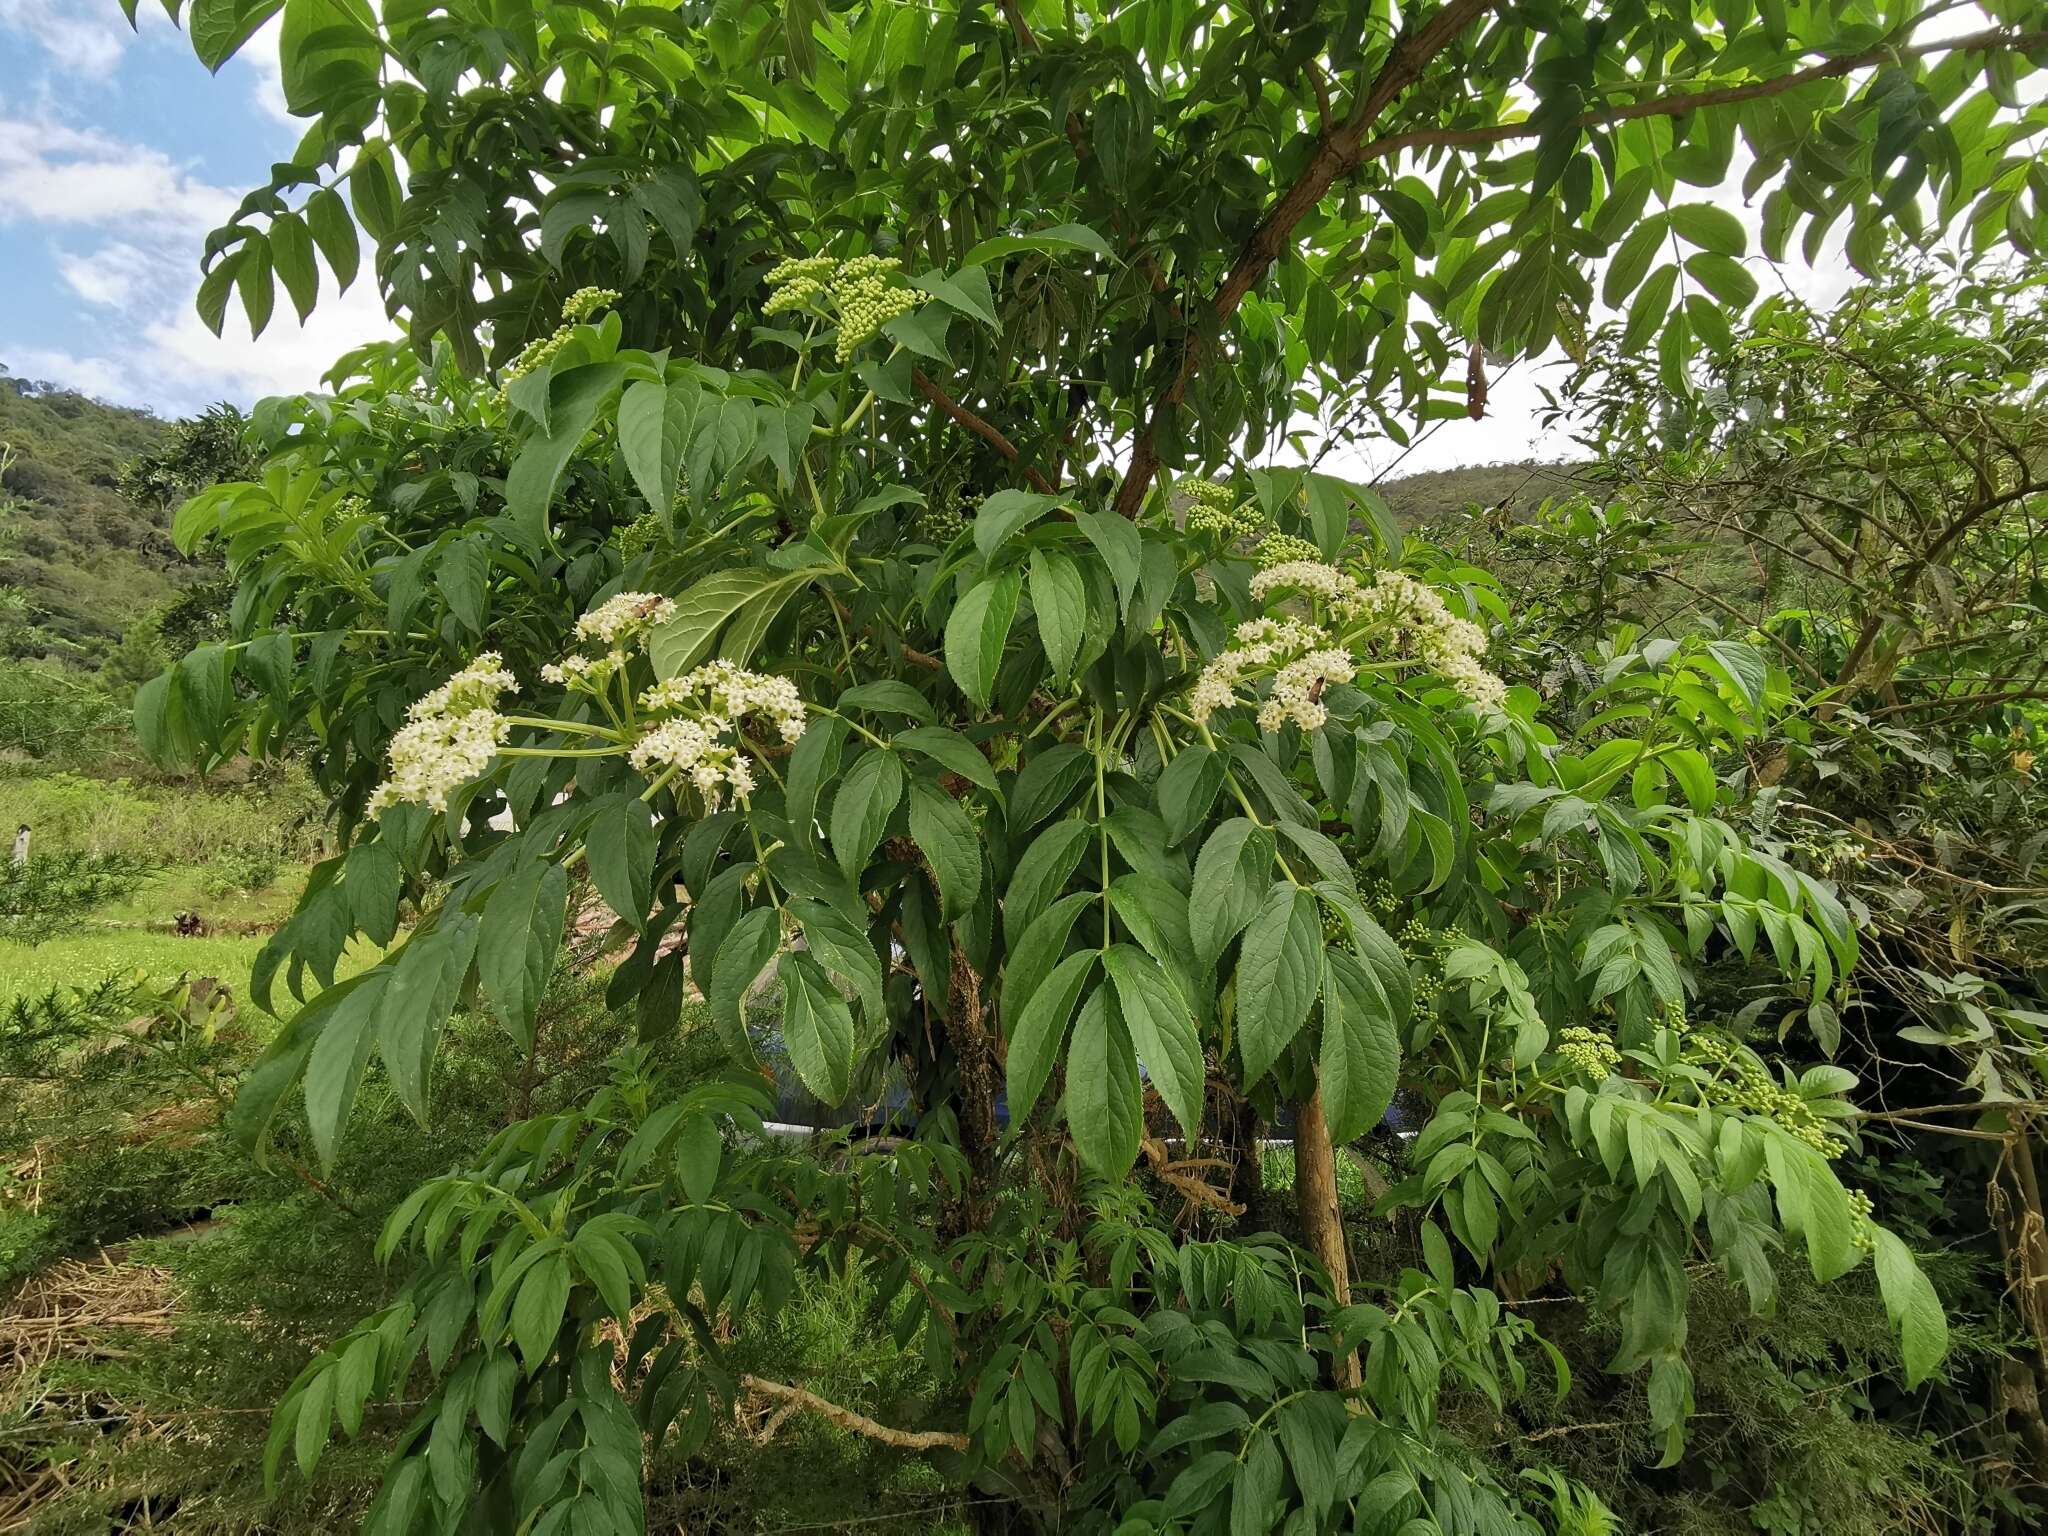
[
  {"x": 858, "y": 292},
  {"x": 1860, "y": 1211},
  {"x": 1285, "y": 549},
  {"x": 1213, "y": 508},
  {"x": 585, "y": 302},
  {"x": 449, "y": 738},
  {"x": 640, "y": 535},
  {"x": 1741, "y": 1082},
  {"x": 941, "y": 525},
  {"x": 1588, "y": 1052},
  {"x": 535, "y": 355},
  {"x": 1425, "y": 947},
  {"x": 541, "y": 351}
]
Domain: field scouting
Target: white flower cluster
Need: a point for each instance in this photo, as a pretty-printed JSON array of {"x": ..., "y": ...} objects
[
  {"x": 730, "y": 691},
  {"x": 618, "y": 623},
  {"x": 619, "y": 619},
  {"x": 584, "y": 672},
  {"x": 1298, "y": 689},
  {"x": 1326, "y": 583},
  {"x": 1257, "y": 644},
  {"x": 1394, "y": 617},
  {"x": 696, "y": 748},
  {"x": 450, "y": 736},
  {"x": 1449, "y": 646},
  {"x": 703, "y": 709}
]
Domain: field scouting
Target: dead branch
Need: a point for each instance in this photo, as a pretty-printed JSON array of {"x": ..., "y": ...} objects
[{"x": 855, "y": 1423}]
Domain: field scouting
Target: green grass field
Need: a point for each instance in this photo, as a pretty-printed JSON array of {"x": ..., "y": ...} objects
[{"x": 189, "y": 830}]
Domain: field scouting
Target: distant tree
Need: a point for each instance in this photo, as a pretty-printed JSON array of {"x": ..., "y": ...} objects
[{"x": 203, "y": 451}]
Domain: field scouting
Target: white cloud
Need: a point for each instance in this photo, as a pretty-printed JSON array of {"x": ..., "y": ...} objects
[
  {"x": 114, "y": 276},
  {"x": 84, "y": 37},
  {"x": 286, "y": 358},
  {"x": 172, "y": 364},
  {"x": 52, "y": 173},
  {"x": 125, "y": 223},
  {"x": 261, "y": 57}
]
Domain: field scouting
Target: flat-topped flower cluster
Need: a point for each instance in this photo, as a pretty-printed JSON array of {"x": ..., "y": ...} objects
[
  {"x": 1392, "y": 618},
  {"x": 450, "y": 737},
  {"x": 1296, "y": 652},
  {"x": 699, "y": 736},
  {"x": 687, "y": 728},
  {"x": 619, "y": 624}
]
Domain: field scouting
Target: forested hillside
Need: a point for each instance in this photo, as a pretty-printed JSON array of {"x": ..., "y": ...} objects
[
  {"x": 86, "y": 495},
  {"x": 88, "y": 489}
]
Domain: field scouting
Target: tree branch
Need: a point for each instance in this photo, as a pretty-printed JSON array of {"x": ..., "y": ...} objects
[
  {"x": 979, "y": 428},
  {"x": 1341, "y": 152},
  {"x": 1692, "y": 101},
  {"x": 1026, "y": 39},
  {"x": 855, "y": 1423},
  {"x": 1336, "y": 154}
]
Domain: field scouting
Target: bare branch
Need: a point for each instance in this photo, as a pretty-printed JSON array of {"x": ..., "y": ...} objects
[
  {"x": 981, "y": 429},
  {"x": 855, "y": 1423}
]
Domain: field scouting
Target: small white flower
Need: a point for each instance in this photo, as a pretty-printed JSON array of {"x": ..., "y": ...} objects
[
  {"x": 730, "y": 691},
  {"x": 585, "y": 672},
  {"x": 703, "y": 708},
  {"x": 1256, "y": 645},
  {"x": 1339, "y": 590},
  {"x": 449, "y": 738}
]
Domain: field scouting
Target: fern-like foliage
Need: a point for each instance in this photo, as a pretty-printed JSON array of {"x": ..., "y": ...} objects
[{"x": 40, "y": 895}]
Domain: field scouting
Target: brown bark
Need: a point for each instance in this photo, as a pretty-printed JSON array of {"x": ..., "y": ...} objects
[
  {"x": 978, "y": 1061},
  {"x": 2024, "y": 1235},
  {"x": 1322, "y": 1228},
  {"x": 988, "y": 433}
]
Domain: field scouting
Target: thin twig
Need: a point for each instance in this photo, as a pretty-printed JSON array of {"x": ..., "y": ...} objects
[{"x": 981, "y": 429}]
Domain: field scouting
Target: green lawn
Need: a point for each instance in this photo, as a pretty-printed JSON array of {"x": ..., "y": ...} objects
[
  {"x": 128, "y": 935},
  {"x": 83, "y": 959},
  {"x": 79, "y": 961}
]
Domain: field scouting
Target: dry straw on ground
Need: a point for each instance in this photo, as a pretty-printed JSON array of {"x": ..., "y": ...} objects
[{"x": 73, "y": 1311}]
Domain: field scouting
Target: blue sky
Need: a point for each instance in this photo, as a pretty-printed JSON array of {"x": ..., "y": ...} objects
[{"x": 118, "y": 152}]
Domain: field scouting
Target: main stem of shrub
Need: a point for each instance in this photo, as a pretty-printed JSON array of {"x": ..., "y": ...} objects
[{"x": 1322, "y": 1228}]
